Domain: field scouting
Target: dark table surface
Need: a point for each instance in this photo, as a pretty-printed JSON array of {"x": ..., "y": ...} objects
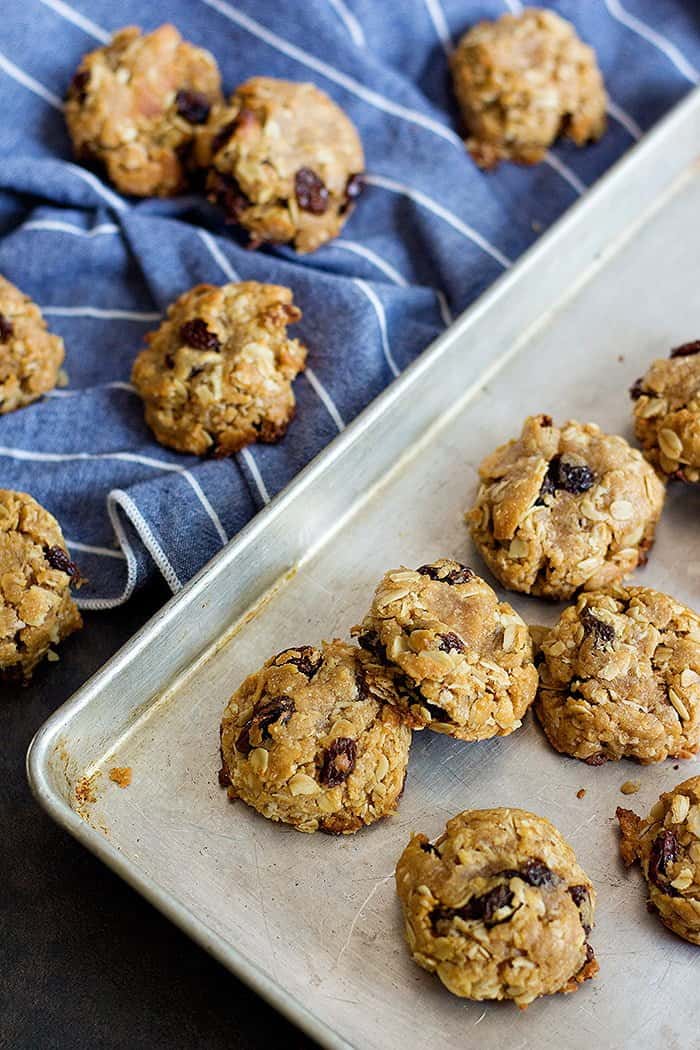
[{"x": 84, "y": 961}]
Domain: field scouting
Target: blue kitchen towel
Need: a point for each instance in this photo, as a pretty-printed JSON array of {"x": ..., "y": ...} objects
[{"x": 431, "y": 232}]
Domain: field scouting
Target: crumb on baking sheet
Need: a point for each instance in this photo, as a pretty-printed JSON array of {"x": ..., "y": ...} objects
[
  {"x": 581, "y": 793},
  {"x": 630, "y": 787},
  {"x": 121, "y": 775},
  {"x": 85, "y": 790}
]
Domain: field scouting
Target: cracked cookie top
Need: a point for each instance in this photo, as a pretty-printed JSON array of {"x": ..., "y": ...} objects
[
  {"x": 562, "y": 509},
  {"x": 36, "y": 573},
  {"x": 498, "y": 907},
  {"x": 218, "y": 373},
  {"x": 285, "y": 162},
  {"x": 30, "y": 356},
  {"x": 620, "y": 678},
  {"x": 667, "y": 845},
  {"x": 311, "y": 741},
  {"x": 667, "y": 413},
  {"x": 521, "y": 82},
  {"x": 134, "y": 105},
  {"x": 464, "y": 659}
]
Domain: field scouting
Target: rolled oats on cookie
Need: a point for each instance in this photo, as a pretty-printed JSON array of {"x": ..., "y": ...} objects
[
  {"x": 285, "y": 162},
  {"x": 217, "y": 374},
  {"x": 30, "y": 355},
  {"x": 523, "y": 81},
  {"x": 667, "y": 414},
  {"x": 564, "y": 509},
  {"x": 311, "y": 740},
  {"x": 667, "y": 846},
  {"x": 134, "y": 105},
  {"x": 620, "y": 678},
  {"x": 498, "y": 907},
  {"x": 463, "y": 659},
  {"x": 36, "y": 574}
]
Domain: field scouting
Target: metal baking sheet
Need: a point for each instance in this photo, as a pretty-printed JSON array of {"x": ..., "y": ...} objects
[{"x": 312, "y": 922}]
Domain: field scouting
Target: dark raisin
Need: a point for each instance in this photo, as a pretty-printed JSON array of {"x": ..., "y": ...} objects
[
  {"x": 637, "y": 389},
  {"x": 596, "y": 760},
  {"x": 590, "y": 954},
  {"x": 483, "y": 908},
  {"x": 59, "y": 559},
  {"x": 536, "y": 873},
  {"x": 192, "y": 106},
  {"x": 310, "y": 191},
  {"x": 369, "y": 641},
  {"x": 6, "y": 328},
  {"x": 578, "y": 894},
  {"x": 277, "y": 710},
  {"x": 226, "y": 192},
  {"x": 571, "y": 477},
  {"x": 664, "y": 852},
  {"x": 363, "y": 689},
  {"x": 451, "y": 642},
  {"x": 169, "y": 361},
  {"x": 461, "y": 575},
  {"x": 78, "y": 85},
  {"x": 428, "y": 847},
  {"x": 687, "y": 349},
  {"x": 338, "y": 762},
  {"x": 603, "y": 633},
  {"x": 195, "y": 333},
  {"x": 306, "y": 659},
  {"x": 545, "y": 421}
]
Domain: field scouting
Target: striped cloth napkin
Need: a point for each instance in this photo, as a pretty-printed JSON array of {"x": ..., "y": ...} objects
[{"x": 430, "y": 234}]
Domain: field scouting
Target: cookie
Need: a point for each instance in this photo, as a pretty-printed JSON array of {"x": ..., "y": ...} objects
[
  {"x": 30, "y": 356},
  {"x": 133, "y": 108},
  {"x": 620, "y": 678},
  {"x": 218, "y": 373},
  {"x": 284, "y": 163},
  {"x": 564, "y": 509},
  {"x": 667, "y": 845},
  {"x": 523, "y": 81},
  {"x": 36, "y": 573},
  {"x": 667, "y": 414},
  {"x": 498, "y": 907},
  {"x": 464, "y": 659},
  {"x": 311, "y": 741}
]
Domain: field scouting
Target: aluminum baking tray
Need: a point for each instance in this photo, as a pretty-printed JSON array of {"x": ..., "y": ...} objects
[{"x": 311, "y": 922}]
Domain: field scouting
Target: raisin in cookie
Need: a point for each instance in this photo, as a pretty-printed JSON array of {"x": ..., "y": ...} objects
[
  {"x": 620, "y": 678},
  {"x": 218, "y": 372},
  {"x": 667, "y": 413},
  {"x": 36, "y": 608},
  {"x": 464, "y": 659},
  {"x": 498, "y": 907},
  {"x": 284, "y": 162},
  {"x": 523, "y": 81},
  {"x": 30, "y": 356},
  {"x": 667, "y": 845},
  {"x": 310, "y": 740},
  {"x": 134, "y": 105},
  {"x": 561, "y": 509}
]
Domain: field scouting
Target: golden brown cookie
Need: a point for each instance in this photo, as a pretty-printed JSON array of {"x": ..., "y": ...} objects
[
  {"x": 464, "y": 659},
  {"x": 284, "y": 162},
  {"x": 36, "y": 573},
  {"x": 521, "y": 82},
  {"x": 218, "y": 373},
  {"x": 667, "y": 413},
  {"x": 498, "y": 907},
  {"x": 620, "y": 678},
  {"x": 30, "y": 356},
  {"x": 667, "y": 845},
  {"x": 564, "y": 509},
  {"x": 134, "y": 106},
  {"x": 310, "y": 740}
]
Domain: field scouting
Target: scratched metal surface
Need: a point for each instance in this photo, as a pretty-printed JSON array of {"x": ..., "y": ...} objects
[{"x": 312, "y": 921}]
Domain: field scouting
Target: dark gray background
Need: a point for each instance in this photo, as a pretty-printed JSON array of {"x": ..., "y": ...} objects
[{"x": 85, "y": 963}]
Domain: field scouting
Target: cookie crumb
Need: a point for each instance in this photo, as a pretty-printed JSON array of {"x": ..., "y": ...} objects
[
  {"x": 630, "y": 787},
  {"x": 85, "y": 790},
  {"x": 121, "y": 775},
  {"x": 581, "y": 793}
]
